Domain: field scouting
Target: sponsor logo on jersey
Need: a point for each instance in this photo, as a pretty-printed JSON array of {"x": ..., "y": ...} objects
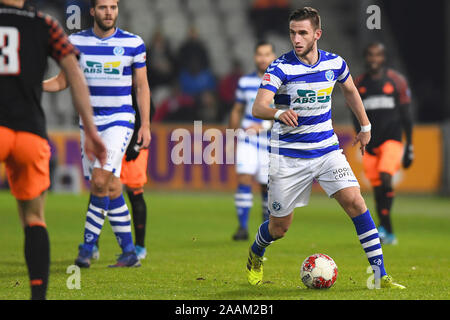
[
  {"x": 98, "y": 67},
  {"x": 311, "y": 96}
]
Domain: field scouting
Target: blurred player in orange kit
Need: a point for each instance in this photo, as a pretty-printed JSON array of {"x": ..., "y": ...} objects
[
  {"x": 386, "y": 97},
  {"x": 134, "y": 177},
  {"x": 27, "y": 38}
]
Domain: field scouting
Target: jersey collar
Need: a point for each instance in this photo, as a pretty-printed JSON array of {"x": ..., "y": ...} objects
[
  {"x": 104, "y": 39},
  {"x": 309, "y": 65}
]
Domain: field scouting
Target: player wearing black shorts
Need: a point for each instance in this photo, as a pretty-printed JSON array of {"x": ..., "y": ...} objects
[
  {"x": 27, "y": 38},
  {"x": 386, "y": 97}
]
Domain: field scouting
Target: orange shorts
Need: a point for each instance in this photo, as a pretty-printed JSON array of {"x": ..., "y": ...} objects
[
  {"x": 134, "y": 173},
  {"x": 387, "y": 158},
  {"x": 26, "y": 156}
]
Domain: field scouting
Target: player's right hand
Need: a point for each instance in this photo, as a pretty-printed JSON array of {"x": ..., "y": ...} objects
[
  {"x": 144, "y": 137},
  {"x": 363, "y": 138},
  {"x": 94, "y": 147},
  {"x": 289, "y": 117}
]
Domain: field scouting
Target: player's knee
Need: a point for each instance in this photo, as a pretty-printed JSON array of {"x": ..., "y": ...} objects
[
  {"x": 353, "y": 203},
  {"x": 99, "y": 185}
]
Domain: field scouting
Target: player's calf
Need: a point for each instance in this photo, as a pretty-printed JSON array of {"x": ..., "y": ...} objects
[
  {"x": 278, "y": 226},
  {"x": 351, "y": 201}
]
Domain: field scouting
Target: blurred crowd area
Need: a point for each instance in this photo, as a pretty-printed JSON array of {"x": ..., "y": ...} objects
[{"x": 198, "y": 49}]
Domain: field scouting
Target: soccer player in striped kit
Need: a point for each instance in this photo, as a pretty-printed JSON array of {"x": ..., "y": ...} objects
[
  {"x": 252, "y": 157},
  {"x": 303, "y": 145},
  {"x": 114, "y": 63}
]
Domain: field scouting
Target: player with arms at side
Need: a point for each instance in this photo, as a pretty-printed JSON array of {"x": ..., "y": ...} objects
[
  {"x": 134, "y": 176},
  {"x": 303, "y": 145},
  {"x": 386, "y": 97},
  {"x": 27, "y": 38},
  {"x": 252, "y": 157},
  {"x": 114, "y": 62}
]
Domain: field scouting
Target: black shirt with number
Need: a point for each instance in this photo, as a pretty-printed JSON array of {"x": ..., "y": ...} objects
[{"x": 27, "y": 38}]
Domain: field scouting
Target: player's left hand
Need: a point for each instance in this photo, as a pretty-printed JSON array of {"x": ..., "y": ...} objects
[
  {"x": 363, "y": 138},
  {"x": 144, "y": 137},
  {"x": 408, "y": 156}
]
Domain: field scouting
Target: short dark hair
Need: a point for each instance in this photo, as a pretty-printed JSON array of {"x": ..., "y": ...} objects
[
  {"x": 306, "y": 13},
  {"x": 261, "y": 43},
  {"x": 94, "y": 3},
  {"x": 374, "y": 44}
]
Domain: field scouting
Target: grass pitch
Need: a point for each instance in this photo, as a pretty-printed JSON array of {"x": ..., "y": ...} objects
[{"x": 191, "y": 254}]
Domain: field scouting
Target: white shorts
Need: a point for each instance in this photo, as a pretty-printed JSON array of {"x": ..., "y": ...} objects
[
  {"x": 116, "y": 140},
  {"x": 253, "y": 160},
  {"x": 291, "y": 179}
]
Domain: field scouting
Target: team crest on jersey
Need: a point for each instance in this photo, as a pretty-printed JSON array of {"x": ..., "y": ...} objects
[
  {"x": 329, "y": 75},
  {"x": 119, "y": 51},
  {"x": 276, "y": 206}
]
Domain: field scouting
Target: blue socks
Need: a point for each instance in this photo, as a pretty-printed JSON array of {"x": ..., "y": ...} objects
[
  {"x": 120, "y": 220},
  {"x": 243, "y": 201},
  {"x": 98, "y": 207},
  {"x": 265, "y": 209},
  {"x": 263, "y": 239},
  {"x": 370, "y": 241}
]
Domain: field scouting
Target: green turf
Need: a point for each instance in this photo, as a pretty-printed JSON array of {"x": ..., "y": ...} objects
[{"x": 191, "y": 255}]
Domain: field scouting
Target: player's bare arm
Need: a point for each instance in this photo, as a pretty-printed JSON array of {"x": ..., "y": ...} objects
[
  {"x": 407, "y": 125},
  {"x": 94, "y": 146},
  {"x": 143, "y": 99},
  {"x": 262, "y": 110},
  {"x": 354, "y": 101},
  {"x": 56, "y": 83},
  {"x": 236, "y": 115}
]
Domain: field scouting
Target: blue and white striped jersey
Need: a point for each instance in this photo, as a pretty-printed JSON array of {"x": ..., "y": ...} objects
[
  {"x": 108, "y": 66},
  {"x": 246, "y": 92},
  {"x": 306, "y": 89}
]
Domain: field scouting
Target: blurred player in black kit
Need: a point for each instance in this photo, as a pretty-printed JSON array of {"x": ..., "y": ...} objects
[
  {"x": 27, "y": 38},
  {"x": 386, "y": 97}
]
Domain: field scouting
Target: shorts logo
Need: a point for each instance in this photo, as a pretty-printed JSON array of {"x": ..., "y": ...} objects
[
  {"x": 276, "y": 206},
  {"x": 343, "y": 173},
  {"x": 329, "y": 75},
  {"x": 119, "y": 51}
]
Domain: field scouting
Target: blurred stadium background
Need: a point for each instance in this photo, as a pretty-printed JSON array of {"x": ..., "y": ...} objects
[{"x": 199, "y": 48}]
